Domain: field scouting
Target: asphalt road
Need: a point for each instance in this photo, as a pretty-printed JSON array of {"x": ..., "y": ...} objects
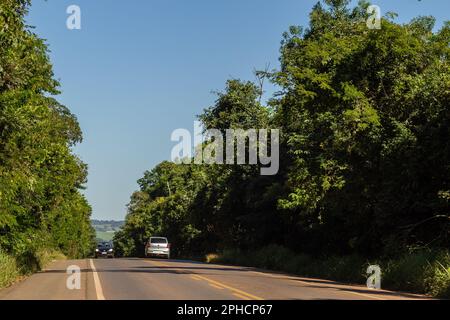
[{"x": 152, "y": 279}]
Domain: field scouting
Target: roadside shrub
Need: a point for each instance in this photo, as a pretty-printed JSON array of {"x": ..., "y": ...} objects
[
  {"x": 8, "y": 270},
  {"x": 12, "y": 267},
  {"x": 29, "y": 253},
  {"x": 407, "y": 272},
  {"x": 212, "y": 258},
  {"x": 437, "y": 276},
  {"x": 273, "y": 257},
  {"x": 350, "y": 268},
  {"x": 301, "y": 264},
  {"x": 32, "y": 252},
  {"x": 45, "y": 256},
  {"x": 233, "y": 256}
]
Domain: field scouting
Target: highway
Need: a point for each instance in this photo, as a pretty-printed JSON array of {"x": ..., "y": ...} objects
[{"x": 154, "y": 279}]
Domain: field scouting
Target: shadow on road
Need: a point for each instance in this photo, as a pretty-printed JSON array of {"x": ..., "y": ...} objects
[{"x": 193, "y": 270}]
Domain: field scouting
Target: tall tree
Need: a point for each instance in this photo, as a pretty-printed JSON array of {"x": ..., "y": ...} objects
[{"x": 40, "y": 177}]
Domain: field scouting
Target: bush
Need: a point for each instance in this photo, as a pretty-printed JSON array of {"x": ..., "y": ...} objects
[
  {"x": 406, "y": 272},
  {"x": 425, "y": 272},
  {"x": 232, "y": 256},
  {"x": 12, "y": 267},
  {"x": 299, "y": 264},
  {"x": 437, "y": 276},
  {"x": 350, "y": 269},
  {"x": 8, "y": 270},
  {"x": 273, "y": 257},
  {"x": 45, "y": 256},
  {"x": 212, "y": 258}
]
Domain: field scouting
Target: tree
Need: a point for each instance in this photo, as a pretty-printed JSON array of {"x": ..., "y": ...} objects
[
  {"x": 364, "y": 157},
  {"x": 362, "y": 130},
  {"x": 40, "y": 177}
]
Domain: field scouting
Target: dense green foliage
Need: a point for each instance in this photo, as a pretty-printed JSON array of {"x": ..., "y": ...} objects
[
  {"x": 41, "y": 207},
  {"x": 365, "y": 153}
]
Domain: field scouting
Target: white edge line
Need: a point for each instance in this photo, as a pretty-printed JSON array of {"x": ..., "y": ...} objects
[{"x": 98, "y": 286}]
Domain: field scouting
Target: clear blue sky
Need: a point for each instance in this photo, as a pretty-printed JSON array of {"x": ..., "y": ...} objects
[{"x": 139, "y": 69}]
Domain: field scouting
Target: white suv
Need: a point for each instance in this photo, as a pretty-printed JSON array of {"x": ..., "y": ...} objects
[{"x": 157, "y": 247}]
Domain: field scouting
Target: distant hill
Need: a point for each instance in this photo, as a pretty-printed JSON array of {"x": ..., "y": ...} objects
[{"x": 106, "y": 229}]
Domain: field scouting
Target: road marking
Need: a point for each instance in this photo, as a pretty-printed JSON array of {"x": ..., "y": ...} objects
[
  {"x": 293, "y": 279},
  {"x": 217, "y": 283},
  {"x": 241, "y": 296},
  {"x": 98, "y": 286},
  {"x": 214, "y": 286},
  {"x": 366, "y": 295},
  {"x": 195, "y": 278},
  {"x": 280, "y": 277}
]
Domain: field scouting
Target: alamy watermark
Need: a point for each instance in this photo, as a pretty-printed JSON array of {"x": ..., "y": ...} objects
[
  {"x": 73, "y": 22},
  {"x": 230, "y": 147},
  {"x": 73, "y": 281},
  {"x": 373, "y": 22},
  {"x": 374, "y": 279}
]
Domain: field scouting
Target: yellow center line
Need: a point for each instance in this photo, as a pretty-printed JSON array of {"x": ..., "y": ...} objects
[
  {"x": 240, "y": 296},
  {"x": 249, "y": 296},
  {"x": 195, "y": 278},
  {"x": 217, "y": 283},
  {"x": 281, "y": 277},
  {"x": 217, "y": 287}
]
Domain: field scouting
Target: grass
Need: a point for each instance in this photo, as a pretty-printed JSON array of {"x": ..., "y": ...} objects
[
  {"x": 12, "y": 268},
  {"x": 105, "y": 236},
  {"x": 9, "y": 271},
  {"x": 44, "y": 257},
  {"x": 423, "y": 272}
]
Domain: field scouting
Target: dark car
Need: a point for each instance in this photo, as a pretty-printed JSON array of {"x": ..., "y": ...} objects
[{"x": 104, "y": 250}]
